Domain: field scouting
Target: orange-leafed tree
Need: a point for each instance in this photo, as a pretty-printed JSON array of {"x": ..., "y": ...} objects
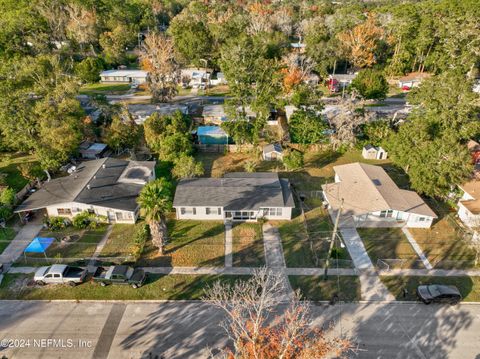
[
  {"x": 259, "y": 327},
  {"x": 361, "y": 43},
  {"x": 158, "y": 58}
]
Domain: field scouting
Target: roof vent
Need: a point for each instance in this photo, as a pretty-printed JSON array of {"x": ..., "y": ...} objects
[
  {"x": 88, "y": 186},
  {"x": 104, "y": 166},
  {"x": 376, "y": 182}
]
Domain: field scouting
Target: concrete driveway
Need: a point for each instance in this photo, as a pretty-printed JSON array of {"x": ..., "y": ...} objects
[{"x": 186, "y": 329}]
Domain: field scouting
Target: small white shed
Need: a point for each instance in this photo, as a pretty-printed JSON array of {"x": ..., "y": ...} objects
[
  {"x": 370, "y": 152},
  {"x": 272, "y": 152}
]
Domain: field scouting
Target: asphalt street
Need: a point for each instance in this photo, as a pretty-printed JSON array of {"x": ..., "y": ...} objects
[{"x": 190, "y": 329}]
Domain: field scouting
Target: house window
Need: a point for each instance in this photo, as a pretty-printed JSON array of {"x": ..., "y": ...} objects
[
  {"x": 421, "y": 219},
  {"x": 207, "y": 210},
  {"x": 279, "y": 212},
  {"x": 64, "y": 211},
  {"x": 271, "y": 211},
  {"x": 91, "y": 211},
  {"x": 219, "y": 211},
  {"x": 182, "y": 210},
  {"x": 386, "y": 214},
  {"x": 119, "y": 216},
  {"x": 194, "y": 210}
]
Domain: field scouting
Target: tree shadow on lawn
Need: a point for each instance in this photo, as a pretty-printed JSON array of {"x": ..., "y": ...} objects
[
  {"x": 249, "y": 255},
  {"x": 184, "y": 232}
]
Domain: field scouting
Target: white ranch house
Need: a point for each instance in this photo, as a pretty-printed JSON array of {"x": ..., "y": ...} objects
[
  {"x": 469, "y": 204},
  {"x": 372, "y": 199},
  {"x": 124, "y": 76},
  {"x": 237, "y": 196}
]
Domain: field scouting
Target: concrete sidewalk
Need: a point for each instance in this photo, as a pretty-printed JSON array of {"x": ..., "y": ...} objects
[
  {"x": 371, "y": 286},
  {"x": 20, "y": 242},
  {"x": 228, "y": 245},
  {"x": 275, "y": 259}
]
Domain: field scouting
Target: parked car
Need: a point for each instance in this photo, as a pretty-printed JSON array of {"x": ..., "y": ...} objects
[
  {"x": 439, "y": 294},
  {"x": 120, "y": 275},
  {"x": 60, "y": 274}
]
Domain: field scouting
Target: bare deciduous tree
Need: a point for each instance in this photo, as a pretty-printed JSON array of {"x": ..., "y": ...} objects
[
  {"x": 259, "y": 328},
  {"x": 158, "y": 57},
  {"x": 82, "y": 24},
  {"x": 346, "y": 122}
]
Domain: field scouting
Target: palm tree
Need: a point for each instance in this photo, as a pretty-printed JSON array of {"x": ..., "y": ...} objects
[{"x": 155, "y": 199}]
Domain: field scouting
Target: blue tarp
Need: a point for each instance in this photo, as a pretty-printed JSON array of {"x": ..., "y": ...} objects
[{"x": 39, "y": 245}]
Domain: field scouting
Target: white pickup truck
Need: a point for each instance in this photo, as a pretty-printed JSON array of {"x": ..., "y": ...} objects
[{"x": 60, "y": 274}]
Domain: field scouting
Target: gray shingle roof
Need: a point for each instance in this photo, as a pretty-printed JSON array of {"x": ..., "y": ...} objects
[
  {"x": 275, "y": 147},
  {"x": 236, "y": 191},
  {"x": 96, "y": 182}
]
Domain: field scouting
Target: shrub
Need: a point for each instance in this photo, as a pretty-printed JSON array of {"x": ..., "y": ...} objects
[
  {"x": 57, "y": 223},
  {"x": 142, "y": 233},
  {"x": 85, "y": 220},
  {"x": 293, "y": 160},
  {"x": 371, "y": 84}
]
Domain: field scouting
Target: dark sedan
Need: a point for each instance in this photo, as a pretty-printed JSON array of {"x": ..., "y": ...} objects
[{"x": 437, "y": 293}]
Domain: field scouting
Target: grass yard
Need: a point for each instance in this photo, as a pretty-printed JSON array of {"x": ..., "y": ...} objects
[
  {"x": 99, "y": 88},
  {"x": 84, "y": 244},
  {"x": 296, "y": 245},
  {"x": 9, "y": 169},
  {"x": 468, "y": 286},
  {"x": 248, "y": 245},
  {"x": 121, "y": 241},
  {"x": 315, "y": 288},
  {"x": 6, "y": 235},
  {"x": 444, "y": 246},
  {"x": 191, "y": 243},
  {"x": 174, "y": 287},
  {"x": 389, "y": 243}
]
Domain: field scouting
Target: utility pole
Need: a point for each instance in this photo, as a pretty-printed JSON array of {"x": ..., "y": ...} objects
[{"x": 332, "y": 240}]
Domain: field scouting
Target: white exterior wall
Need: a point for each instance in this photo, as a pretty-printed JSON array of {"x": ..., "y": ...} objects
[
  {"x": 77, "y": 208},
  {"x": 397, "y": 219},
  {"x": 467, "y": 217},
  {"x": 201, "y": 214}
]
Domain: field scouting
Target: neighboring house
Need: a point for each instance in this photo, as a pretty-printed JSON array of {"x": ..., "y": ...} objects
[
  {"x": 298, "y": 46},
  {"x": 91, "y": 151},
  {"x": 374, "y": 153},
  {"x": 211, "y": 135},
  {"x": 214, "y": 114},
  {"x": 340, "y": 81},
  {"x": 237, "y": 196},
  {"x": 219, "y": 80},
  {"x": 141, "y": 112},
  {"x": 194, "y": 77},
  {"x": 412, "y": 80},
  {"x": 469, "y": 204},
  {"x": 124, "y": 76},
  {"x": 374, "y": 200},
  {"x": 106, "y": 187},
  {"x": 272, "y": 152}
]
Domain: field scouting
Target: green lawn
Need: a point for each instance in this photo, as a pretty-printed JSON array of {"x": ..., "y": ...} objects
[
  {"x": 389, "y": 243},
  {"x": 191, "y": 243},
  {"x": 174, "y": 287},
  {"x": 121, "y": 242},
  {"x": 9, "y": 169},
  {"x": 297, "y": 247},
  {"x": 6, "y": 235},
  {"x": 84, "y": 244},
  {"x": 444, "y": 246},
  {"x": 468, "y": 286},
  {"x": 99, "y": 88},
  {"x": 248, "y": 245},
  {"x": 346, "y": 288}
]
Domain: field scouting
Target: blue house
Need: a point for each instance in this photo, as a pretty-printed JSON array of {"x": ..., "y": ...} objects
[{"x": 212, "y": 135}]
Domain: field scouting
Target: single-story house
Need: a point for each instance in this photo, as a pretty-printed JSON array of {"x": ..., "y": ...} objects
[
  {"x": 272, "y": 152},
  {"x": 219, "y": 79},
  {"x": 372, "y": 199},
  {"x": 140, "y": 112},
  {"x": 469, "y": 204},
  {"x": 412, "y": 80},
  {"x": 212, "y": 135},
  {"x": 214, "y": 114},
  {"x": 106, "y": 187},
  {"x": 340, "y": 81},
  {"x": 90, "y": 150},
  {"x": 195, "y": 76},
  {"x": 374, "y": 153},
  {"x": 124, "y": 76},
  {"x": 237, "y": 196}
]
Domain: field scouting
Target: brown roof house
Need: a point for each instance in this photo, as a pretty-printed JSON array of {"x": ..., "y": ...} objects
[
  {"x": 469, "y": 204},
  {"x": 372, "y": 199}
]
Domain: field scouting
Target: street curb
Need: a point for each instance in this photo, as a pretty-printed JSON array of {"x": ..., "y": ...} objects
[{"x": 194, "y": 301}]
